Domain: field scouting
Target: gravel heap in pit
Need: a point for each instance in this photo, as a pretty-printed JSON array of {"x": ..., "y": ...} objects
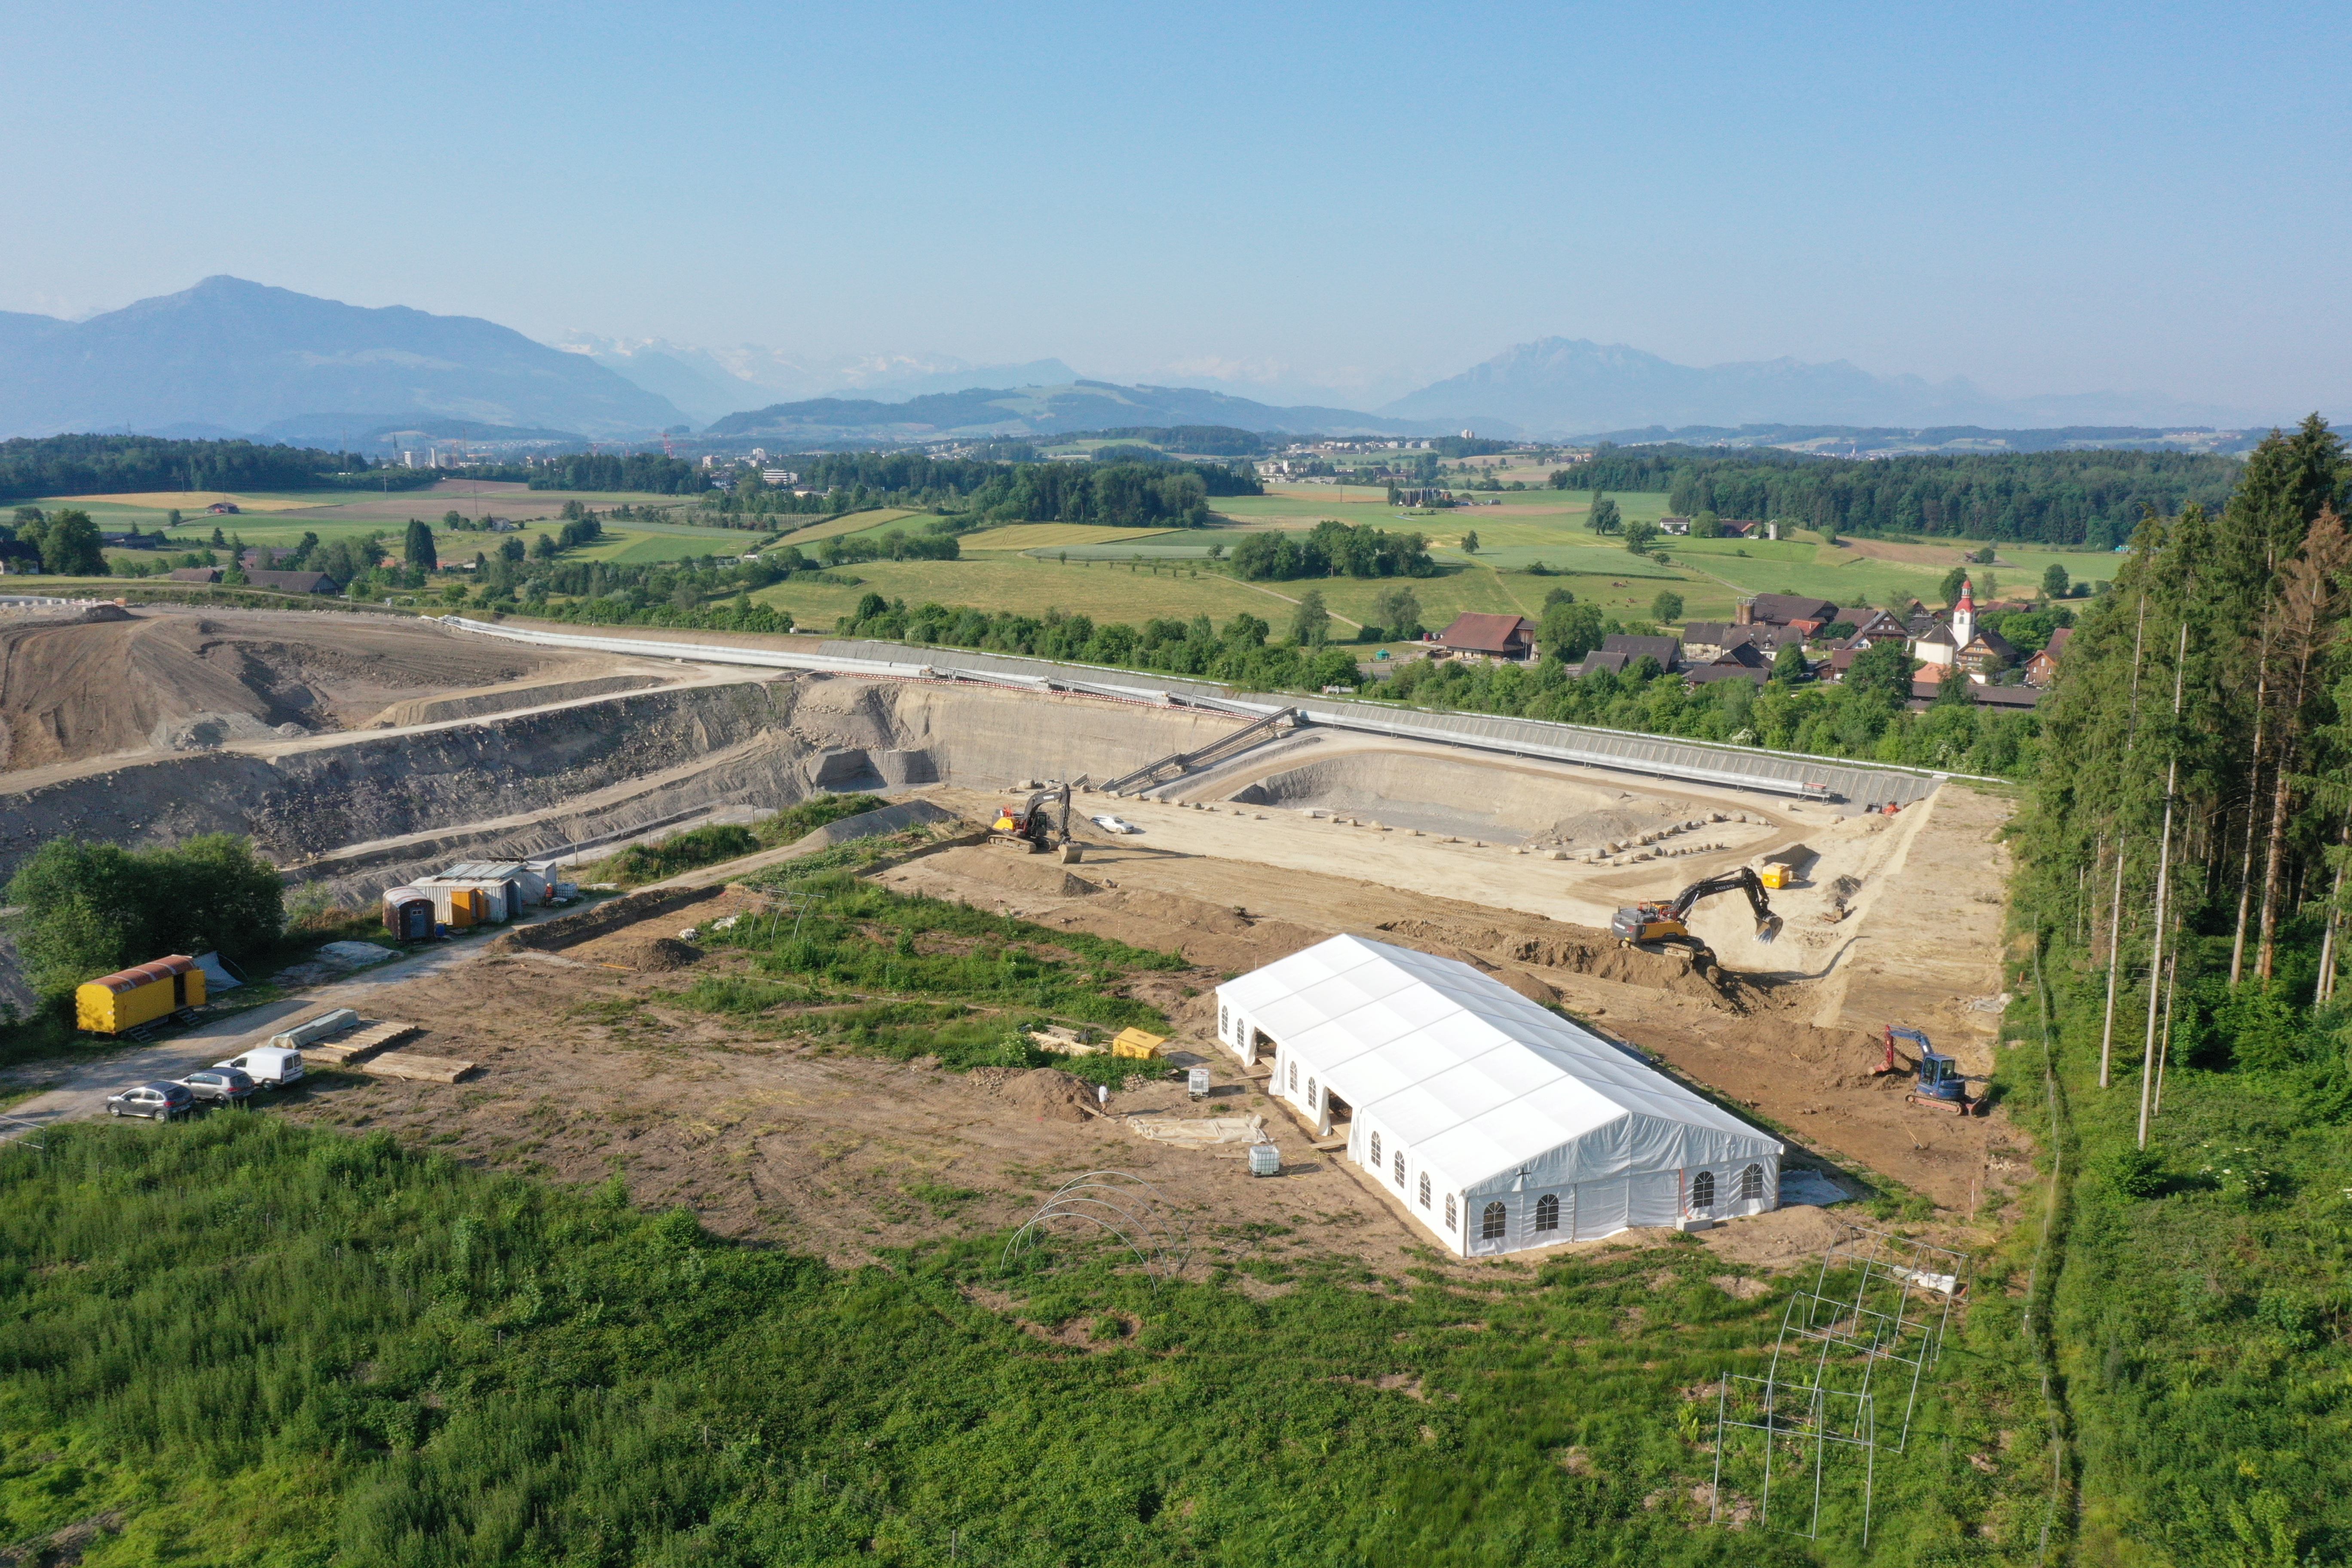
[{"x": 166, "y": 678}]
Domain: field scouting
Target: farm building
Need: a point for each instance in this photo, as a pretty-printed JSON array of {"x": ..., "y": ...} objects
[{"x": 1498, "y": 1125}]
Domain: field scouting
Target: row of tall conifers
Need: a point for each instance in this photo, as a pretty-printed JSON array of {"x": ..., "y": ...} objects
[{"x": 2192, "y": 827}]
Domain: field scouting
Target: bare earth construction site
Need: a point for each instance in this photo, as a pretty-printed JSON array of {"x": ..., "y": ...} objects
[{"x": 359, "y": 751}]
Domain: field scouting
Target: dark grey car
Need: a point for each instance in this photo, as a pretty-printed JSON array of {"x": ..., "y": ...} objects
[
  {"x": 163, "y": 1101},
  {"x": 220, "y": 1086}
]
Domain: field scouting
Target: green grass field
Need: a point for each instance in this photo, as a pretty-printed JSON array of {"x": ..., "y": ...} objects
[
  {"x": 1134, "y": 575},
  {"x": 238, "y": 1341}
]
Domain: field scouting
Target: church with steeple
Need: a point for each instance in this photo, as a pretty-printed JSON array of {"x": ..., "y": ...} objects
[{"x": 1955, "y": 642}]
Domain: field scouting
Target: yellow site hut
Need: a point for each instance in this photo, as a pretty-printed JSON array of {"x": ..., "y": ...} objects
[{"x": 112, "y": 1003}]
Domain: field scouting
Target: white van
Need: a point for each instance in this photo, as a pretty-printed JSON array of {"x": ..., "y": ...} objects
[{"x": 272, "y": 1067}]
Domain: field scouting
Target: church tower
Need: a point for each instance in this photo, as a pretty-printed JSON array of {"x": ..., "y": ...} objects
[{"x": 1964, "y": 619}]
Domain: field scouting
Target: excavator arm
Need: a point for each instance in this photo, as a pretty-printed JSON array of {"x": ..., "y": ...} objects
[{"x": 1745, "y": 880}]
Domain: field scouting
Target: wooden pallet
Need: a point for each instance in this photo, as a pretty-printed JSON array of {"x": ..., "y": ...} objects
[
  {"x": 361, "y": 1042},
  {"x": 409, "y": 1065}
]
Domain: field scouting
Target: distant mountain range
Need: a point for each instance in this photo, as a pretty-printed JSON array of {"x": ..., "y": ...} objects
[
  {"x": 233, "y": 358},
  {"x": 1039, "y": 411},
  {"x": 709, "y": 383},
  {"x": 1568, "y": 387}
]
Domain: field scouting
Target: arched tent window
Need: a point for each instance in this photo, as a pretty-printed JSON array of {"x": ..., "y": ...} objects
[
  {"x": 1399, "y": 1167},
  {"x": 1376, "y": 1151},
  {"x": 1310, "y": 1094},
  {"x": 1294, "y": 1078},
  {"x": 1224, "y": 1020},
  {"x": 1548, "y": 1212},
  {"x": 1449, "y": 1211},
  {"x": 1703, "y": 1190},
  {"x": 1425, "y": 1186},
  {"x": 1751, "y": 1184},
  {"x": 1491, "y": 1223}
]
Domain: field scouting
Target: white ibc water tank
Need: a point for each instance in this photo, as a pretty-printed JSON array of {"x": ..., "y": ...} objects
[{"x": 1265, "y": 1159}]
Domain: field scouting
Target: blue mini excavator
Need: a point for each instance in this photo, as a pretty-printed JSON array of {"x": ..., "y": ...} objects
[{"x": 1939, "y": 1083}]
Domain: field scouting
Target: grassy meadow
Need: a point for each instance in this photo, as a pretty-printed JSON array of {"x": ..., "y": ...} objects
[{"x": 238, "y": 1340}]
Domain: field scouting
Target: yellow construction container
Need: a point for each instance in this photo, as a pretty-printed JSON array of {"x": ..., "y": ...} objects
[
  {"x": 1136, "y": 1043},
  {"x": 113, "y": 1003},
  {"x": 1775, "y": 876}
]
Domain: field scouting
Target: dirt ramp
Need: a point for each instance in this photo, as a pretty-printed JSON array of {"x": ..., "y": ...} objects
[{"x": 506, "y": 699}]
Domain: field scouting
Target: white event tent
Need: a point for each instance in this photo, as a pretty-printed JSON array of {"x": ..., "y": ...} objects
[{"x": 1499, "y": 1125}]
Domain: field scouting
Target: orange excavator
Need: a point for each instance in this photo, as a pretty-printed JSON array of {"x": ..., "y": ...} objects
[{"x": 1034, "y": 827}]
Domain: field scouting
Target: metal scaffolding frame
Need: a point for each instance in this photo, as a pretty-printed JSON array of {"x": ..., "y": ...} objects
[{"x": 1837, "y": 1357}]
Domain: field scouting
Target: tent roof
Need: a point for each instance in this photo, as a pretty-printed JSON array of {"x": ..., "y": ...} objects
[{"x": 1479, "y": 1078}]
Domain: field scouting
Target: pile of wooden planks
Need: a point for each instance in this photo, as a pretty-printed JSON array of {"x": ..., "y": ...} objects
[
  {"x": 410, "y": 1065},
  {"x": 364, "y": 1050},
  {"x": 359, "y": 1043}
]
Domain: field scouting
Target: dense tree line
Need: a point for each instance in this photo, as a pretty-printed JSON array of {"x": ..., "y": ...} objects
[
  {"x": 106, "y": 465},
  {"x": 650, "y": 472},
  {"x": 2182, "y": 867},
  {"x": 1866, "y": 717},
  {"x": 2195, "y": 792},
  {"x": 1332, "y": 549},
  {"x": 2045, "y": 498},
  {"x": 1242, "y": 652}
]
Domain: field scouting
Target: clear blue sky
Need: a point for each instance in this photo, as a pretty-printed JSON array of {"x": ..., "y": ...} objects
[{"x": 2044, "y": 198}]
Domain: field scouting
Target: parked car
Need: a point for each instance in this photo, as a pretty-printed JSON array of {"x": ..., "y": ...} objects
[
  {"x": 271, "y": 1067},
  {"x": 163, "y": 1101},
  {"x": 220, "y": 1086}
]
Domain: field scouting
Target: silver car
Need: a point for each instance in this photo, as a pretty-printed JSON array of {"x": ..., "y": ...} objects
[
  {"x": 220, "y": 1086},
  {"x": 163, "y": 1101}
]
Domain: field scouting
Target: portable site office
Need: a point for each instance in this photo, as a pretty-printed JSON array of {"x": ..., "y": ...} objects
[
  {"x": 1498, "y": 1125},
  {"x": 533, "y": 880},
  {"x": 462, "y": 902}
]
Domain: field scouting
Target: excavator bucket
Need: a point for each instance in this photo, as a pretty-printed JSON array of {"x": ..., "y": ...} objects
[{"x": 1767, "y": 928}]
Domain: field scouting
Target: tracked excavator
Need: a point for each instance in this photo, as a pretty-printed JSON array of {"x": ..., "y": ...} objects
[
  {"x": 1648, "y": 925},
  {"x": 1035, "y": 825}
]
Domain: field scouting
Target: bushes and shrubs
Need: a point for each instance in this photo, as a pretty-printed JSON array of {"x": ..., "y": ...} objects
[{"x": 88, "y": 909}]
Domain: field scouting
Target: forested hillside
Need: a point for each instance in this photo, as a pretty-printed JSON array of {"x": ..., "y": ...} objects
[
  {"x": 2045, "y": 498},
  {"x": 108, "y": 465},
  {"x": 2183, "y": 860}
]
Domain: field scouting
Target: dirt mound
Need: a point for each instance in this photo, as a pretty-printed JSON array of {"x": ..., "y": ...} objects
[
  {"x": 655, "y": 955},
  {"x": 1043, "y": 1094},
  {"x": 1572, "y": 948},
  {"x": 999, "y": 867},
  {"x": 128, "y": 681}
]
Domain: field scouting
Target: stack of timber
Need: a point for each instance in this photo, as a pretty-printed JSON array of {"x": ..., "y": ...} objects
[
  {"x": 351, "y": 1047},
  {"x": 411, "y": 1065},
  {"x": 364, "y": 1050}
]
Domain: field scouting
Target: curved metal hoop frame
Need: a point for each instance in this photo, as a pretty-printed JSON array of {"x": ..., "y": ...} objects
[{"x": 1122, "y": 1205}]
